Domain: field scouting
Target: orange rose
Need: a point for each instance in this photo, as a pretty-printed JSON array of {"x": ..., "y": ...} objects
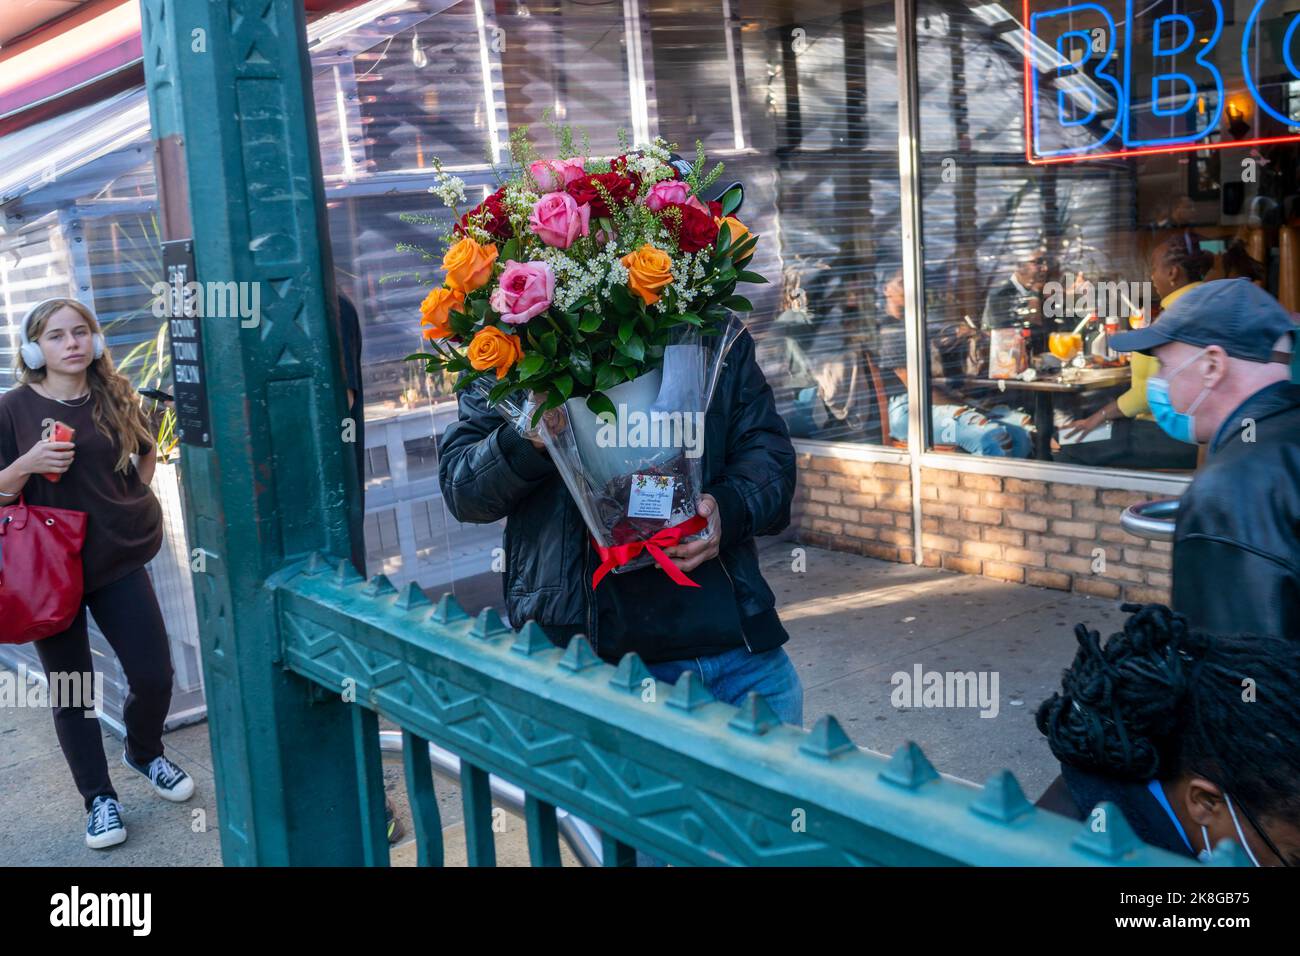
[
  {"x": 469, "y": 265},
  {"x": 436, "y": 309},
  {"x": 734, "y": 226},
  {"x": 492, "y": 348},
  {"x": 648, "y": 271}
]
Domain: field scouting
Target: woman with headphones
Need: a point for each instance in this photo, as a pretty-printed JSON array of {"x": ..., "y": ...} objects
[{"x": 67, "y": 376}]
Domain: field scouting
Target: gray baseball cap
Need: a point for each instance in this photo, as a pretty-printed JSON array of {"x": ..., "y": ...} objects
[{"x": 1234, "y": 314}]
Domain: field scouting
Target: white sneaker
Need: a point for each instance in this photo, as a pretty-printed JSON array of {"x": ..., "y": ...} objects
[
  {"x": 104, "y": 827},
  {"x": 169, "y": 781}
]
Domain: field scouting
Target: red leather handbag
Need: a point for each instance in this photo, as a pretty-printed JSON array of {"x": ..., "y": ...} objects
[{"x": 40, "y": 570}]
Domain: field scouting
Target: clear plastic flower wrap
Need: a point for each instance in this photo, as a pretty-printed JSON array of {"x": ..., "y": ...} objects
[{"x": 640, "y": 470}]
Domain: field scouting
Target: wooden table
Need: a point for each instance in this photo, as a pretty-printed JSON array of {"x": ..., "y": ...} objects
[{"x": 1045, "y": 387}]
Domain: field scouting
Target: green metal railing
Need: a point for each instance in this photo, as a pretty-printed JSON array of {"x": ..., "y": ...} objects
[
  {"x": 301, "y": 657},
  {"x": 665, "y": 769}
]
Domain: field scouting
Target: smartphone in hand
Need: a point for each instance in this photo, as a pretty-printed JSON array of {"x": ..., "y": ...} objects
[{"x": 61, "y": 433}]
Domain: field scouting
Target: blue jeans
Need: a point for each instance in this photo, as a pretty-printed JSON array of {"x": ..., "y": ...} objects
[
  {"x": 1000, "y": 434},
  {"x": 730, "y": 676}
]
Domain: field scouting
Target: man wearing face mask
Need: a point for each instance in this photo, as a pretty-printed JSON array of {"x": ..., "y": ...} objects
[{"x": 1225, "y": 351}]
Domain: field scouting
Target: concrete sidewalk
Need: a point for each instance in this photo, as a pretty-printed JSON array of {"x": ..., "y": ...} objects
[{"x": 853, "y": 622}]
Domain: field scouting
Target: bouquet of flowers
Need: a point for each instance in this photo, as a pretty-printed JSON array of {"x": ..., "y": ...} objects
[{"x": 592, "y": 301}]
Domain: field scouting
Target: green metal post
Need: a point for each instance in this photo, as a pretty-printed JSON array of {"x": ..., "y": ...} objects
[{"x": 233, "y": 119}]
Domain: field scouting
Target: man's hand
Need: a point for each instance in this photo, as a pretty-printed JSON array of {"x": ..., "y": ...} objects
[
  {"x": 691, "y": 554},
  {"x": 553, "y": 420}
]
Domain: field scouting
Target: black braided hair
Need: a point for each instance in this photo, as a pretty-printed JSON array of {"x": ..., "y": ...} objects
[
  {"x": 1158, "y": 700},
  {"x": 1185, "y": 253}
]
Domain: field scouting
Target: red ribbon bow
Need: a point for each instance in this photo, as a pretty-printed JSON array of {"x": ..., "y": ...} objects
[{"x": 621, "y": 554}]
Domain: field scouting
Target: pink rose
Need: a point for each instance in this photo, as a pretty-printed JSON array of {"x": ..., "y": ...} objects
[
  {"x": 558, "y": 220},
  {"x": 554, "y": 174},
  {"x": 666, "y": 193},
  {"x": 694, "y": 203},
  {"x": 525, "y": 290}
]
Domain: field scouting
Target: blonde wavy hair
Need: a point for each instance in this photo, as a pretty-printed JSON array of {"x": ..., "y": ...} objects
[{"x": 116, "y": 407}]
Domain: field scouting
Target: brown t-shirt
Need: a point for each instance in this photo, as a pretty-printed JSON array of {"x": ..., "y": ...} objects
[{"x": 124, "y": 529}]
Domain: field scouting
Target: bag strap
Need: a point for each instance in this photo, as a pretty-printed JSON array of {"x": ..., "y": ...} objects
[{"x": 18, "y": 517}]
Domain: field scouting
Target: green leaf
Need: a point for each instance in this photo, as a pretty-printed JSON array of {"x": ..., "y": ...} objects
[
  {"x": 635, "y": 348},
  {"x": 598, "y": 402},
  {"x": 738, "y": 303},
  {"x": 750, "y": 277},
  {"x": 500, "y": 391},
  {"x": 731, "y": 200},
  {"x": 590, "y": 322},
  {"x": 563, "y": 385},
  {"x": 724, "y": 238},
  {"x": 626, "y": 328},
  {"x": 553, "y": 399},
  {"x": 622, "y": 360},
  {"x": 547, "y": 344},
  {"x": 630, "y": 373},
  {"x": 607, "y": 376},
  {"x": 580, "y": 365},
  {"x": 462, "y": 323},
  {"x": 510, "y": 252},
  {"x": 622, "y": 299},
  {"x": 744, "y": 247},
  {"x": 531, "y": 365}
]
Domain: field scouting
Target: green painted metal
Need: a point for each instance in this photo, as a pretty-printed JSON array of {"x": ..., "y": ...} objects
[
  {"x": 686, "y": 778},
  {"x": 476, "y": 797},
  {"x": 543, "y": 832},
  {"x": 228, "y": 81},
  {"x": 423, "y": 799},
  {"x": 301, "y": 657}
]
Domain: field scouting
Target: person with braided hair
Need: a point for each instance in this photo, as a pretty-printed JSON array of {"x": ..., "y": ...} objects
[{"x": 1195, "y": 738}]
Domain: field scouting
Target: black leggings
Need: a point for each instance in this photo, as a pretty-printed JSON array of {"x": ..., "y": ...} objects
[{"x": 128, "y": 614}]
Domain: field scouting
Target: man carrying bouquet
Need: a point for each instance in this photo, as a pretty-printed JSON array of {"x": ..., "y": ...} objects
[{"x": 726, "y": 629}]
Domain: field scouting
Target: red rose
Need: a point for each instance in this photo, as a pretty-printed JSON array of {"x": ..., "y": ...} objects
[
  {"x": 621, "y": 190},
  {"x": 497, "y": 221},
  {"x": 715, "y": 208},
  {"x": 695, "y": 230}
]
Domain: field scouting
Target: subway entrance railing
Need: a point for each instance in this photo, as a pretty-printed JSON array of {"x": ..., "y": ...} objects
[
  {"x": 301, "y": 657},
  {"x": 665, "y": 769}
]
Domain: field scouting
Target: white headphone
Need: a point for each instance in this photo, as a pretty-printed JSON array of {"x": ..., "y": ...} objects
[{"x": 31, "y": 352}]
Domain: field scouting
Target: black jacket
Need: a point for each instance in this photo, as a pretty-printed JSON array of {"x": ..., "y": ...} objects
[
  {"x": 488, "y": 471},
  {"x": 1076, "y": 792},
  {"x": 1237, "y": 540}
]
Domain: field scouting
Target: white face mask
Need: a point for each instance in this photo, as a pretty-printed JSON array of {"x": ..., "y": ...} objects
[{"x": 1206, "y": 855}]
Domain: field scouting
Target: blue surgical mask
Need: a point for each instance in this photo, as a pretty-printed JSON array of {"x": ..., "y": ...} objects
[{"x": 1176, "y": 424}]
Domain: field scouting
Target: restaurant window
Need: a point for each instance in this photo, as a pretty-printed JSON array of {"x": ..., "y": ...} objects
[
  {"x": 816, "y": 145},
  {"x": 1150, "y": 160}
]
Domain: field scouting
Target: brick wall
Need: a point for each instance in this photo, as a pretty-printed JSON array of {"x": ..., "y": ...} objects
[{"x": 1046, "y": 534}]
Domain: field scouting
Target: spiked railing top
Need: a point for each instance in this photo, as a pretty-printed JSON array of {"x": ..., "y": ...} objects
[{"x": 671, "y": 770}]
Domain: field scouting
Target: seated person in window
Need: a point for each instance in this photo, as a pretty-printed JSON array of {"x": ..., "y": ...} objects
[
  {"x": 1178, "y": 265},
  {"x": 816, "y": 352},
  {"x": 997, "y": 432},
  {"x": 1017, "y": 301}
]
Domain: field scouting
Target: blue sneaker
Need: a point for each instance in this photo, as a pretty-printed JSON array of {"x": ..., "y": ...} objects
[
  {"x": 169, "y": 781},
  {"x": 104, "y": 827}
]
